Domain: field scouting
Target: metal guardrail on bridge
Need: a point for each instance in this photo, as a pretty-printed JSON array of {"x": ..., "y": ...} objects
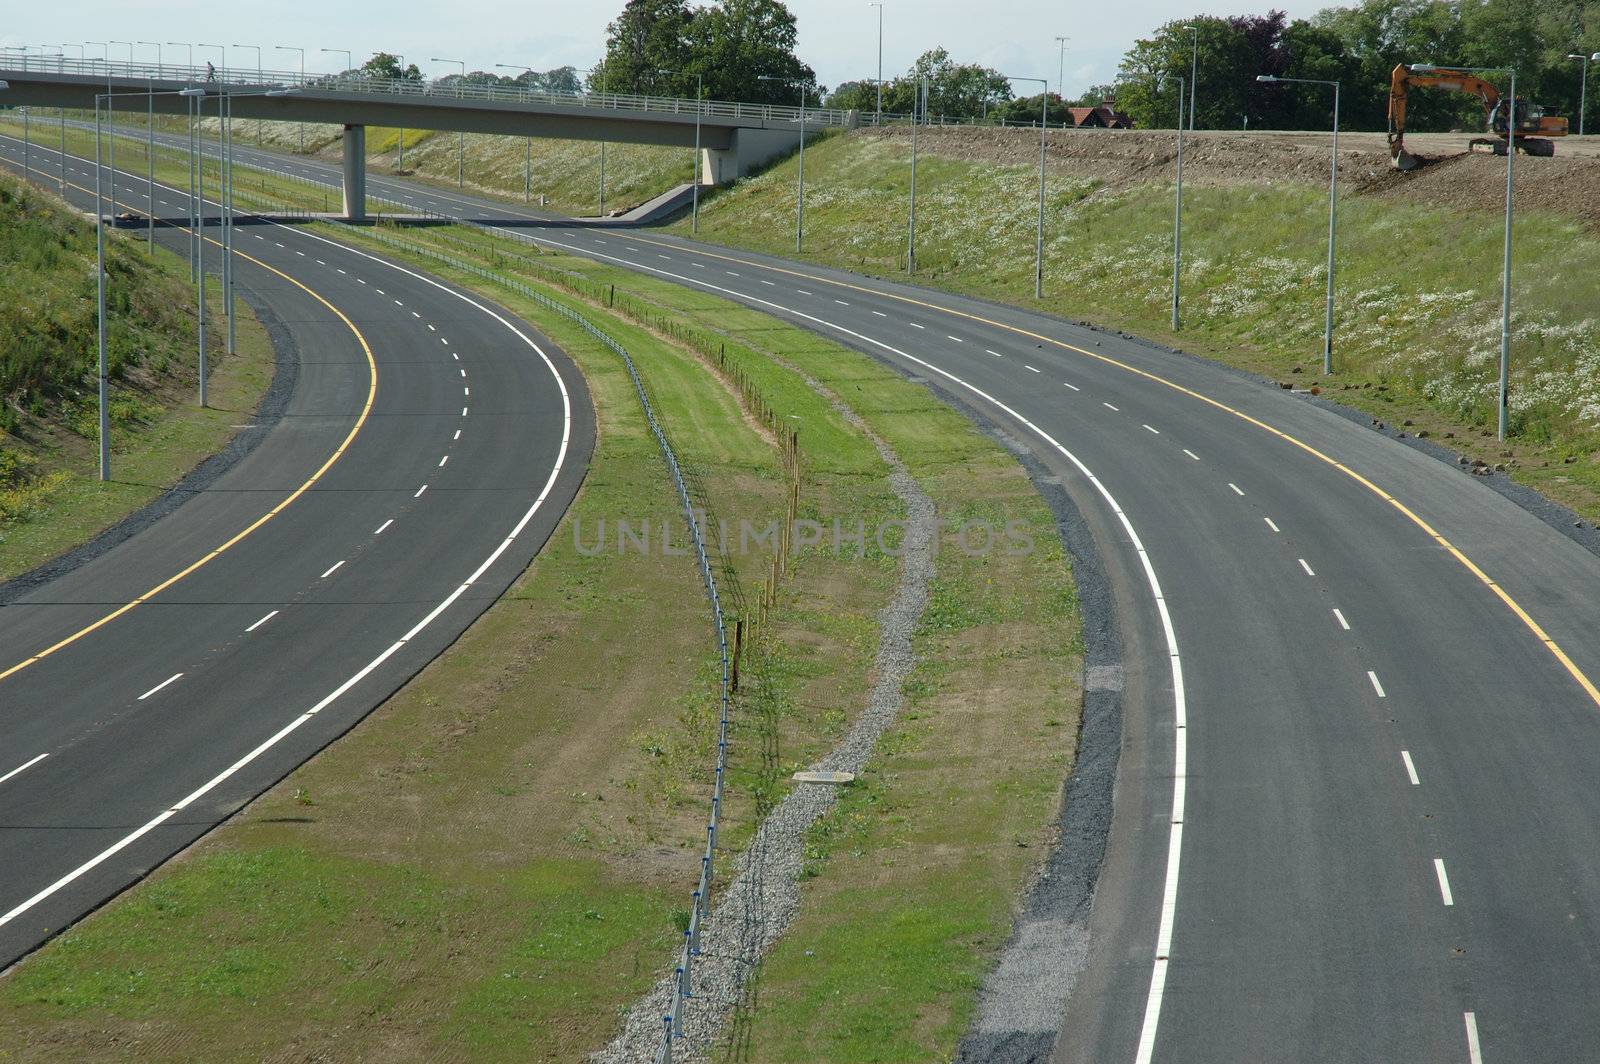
[{"x": 444, "y": 89}]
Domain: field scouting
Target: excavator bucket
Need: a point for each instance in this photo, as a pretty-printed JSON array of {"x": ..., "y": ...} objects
[{"x": 1404, "y": 160}]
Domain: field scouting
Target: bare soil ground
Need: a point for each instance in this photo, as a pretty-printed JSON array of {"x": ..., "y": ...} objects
[{"x": 1568, "y": 183}]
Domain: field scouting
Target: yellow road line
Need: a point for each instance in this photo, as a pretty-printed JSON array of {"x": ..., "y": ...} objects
[
  {"x": 1472, "y": 567},
  {"x": 372, "y": 392}
]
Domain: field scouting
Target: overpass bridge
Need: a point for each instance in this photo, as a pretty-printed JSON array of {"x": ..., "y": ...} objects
[{"x": 734, "y": 137}]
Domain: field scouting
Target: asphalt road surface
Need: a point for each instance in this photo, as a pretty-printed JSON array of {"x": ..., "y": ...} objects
[
  {"x": 1355, "y": 816},
  {"x": 430, "y": 445}
]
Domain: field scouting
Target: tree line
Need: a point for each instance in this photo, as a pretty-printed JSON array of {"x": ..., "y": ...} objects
[{"x": 1358, "y": 46}]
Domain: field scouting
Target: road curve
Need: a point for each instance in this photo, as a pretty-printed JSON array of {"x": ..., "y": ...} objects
[
  {"x": 1355, "y": 816},
  {"x": 430, "y": 445}
]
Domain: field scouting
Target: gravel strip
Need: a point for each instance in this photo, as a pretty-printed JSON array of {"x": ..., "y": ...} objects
[{"x": 762, "y": 899}]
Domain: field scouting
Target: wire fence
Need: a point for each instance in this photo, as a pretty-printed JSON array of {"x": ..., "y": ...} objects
[{"x": 696, "y": 507}]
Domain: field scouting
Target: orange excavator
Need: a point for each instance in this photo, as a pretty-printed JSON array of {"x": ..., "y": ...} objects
[{"x": 1530, "y": 125}]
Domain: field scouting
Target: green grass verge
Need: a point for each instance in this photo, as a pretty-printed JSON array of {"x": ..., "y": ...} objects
[
  {"x": 497, "y": 861},
  {"x": 50, "y": 496},
  {"x": 1417, "y": 325}
]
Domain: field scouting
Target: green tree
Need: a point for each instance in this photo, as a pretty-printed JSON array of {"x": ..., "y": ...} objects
[
  {"x": 387, "y": 67},
  {"x": 648, "y": 36},
  {"x": 745, "y": 50}
]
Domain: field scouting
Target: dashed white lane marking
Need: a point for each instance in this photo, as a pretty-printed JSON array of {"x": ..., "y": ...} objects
[
  {"x": 420, "y": 490},
  {"x": 802, "y": 291},
  {"x": 947, "y": 336},
  {"x": 914, "y": 325},
  {"x": 597, "y": 240},
  {"x": 466, "y": 391},
  {"x": 1030, "y": 368},
  {"x": 443, "y": 460},
  {"x": 432, "y": 328},
  {"x": 1108, "y": 406},
  {"x": 1074, "y": 387},
  {"x": 302, "y": 254},
  {"x": 841, "y": 302},
  {"x": 990, "y": 351},
  {"x": 414, "y": 314},
  {"x": 1191, "y": 454},
  {"x": 321, "y": 263},
  {"x": 381, "y": 292},
  {"x": 880, "y": 314},
  {"x": 457, "y": 357},
  {"x": 23, "y": 767},
  {"x": 698, "y": 265},
  {"x": 275, "y": 242},
  {"x": 1474, "y": 1050},
  {"x": 1236, "y": 489},
  {"x": 730, "y": 273},
  {"x": 379, "y": 530},
  {"x": 463, "y": 411},
  {"x": 457, "y": 436},
  {"x": 331, "y": 569},
  {"x": 1154, "y": 430},
  {"x": 1411, "y": 769},
  {"x": 170, "y": 679},
  {"x": 1307, "y": 567},
  {"x": 1340, "y": 618},
  {"x": 463, "y": 373},
  {"x": 660, "y": 256},
  {"x": 337, "y": 268},
  {"x": 770, "y": 284},
  {"x": 1376, "y": 686},
  {"x": 360, "y": 281},
  {"x": 1272, "y": 524},
  {"x": 261, "y": 622},
  {"x": 444, "y": 340},
  {"x": 1444, "y": 881}
]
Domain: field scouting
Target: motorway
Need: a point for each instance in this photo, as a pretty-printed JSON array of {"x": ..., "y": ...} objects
[
  {"x": 429, "y": 446},
  {"x": 1355, "y": 814}
]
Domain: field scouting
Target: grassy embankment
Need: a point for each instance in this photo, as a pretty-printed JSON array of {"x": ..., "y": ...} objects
[
  {"x": 50, "y": 496},
  {"x": 1417, "y": 327},
  {"x": 497, "y": 861}
]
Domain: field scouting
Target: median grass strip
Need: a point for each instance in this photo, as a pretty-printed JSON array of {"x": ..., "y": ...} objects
[
  {"x": 50, "y": 496},
  {"x": 1417, "y": 309}
]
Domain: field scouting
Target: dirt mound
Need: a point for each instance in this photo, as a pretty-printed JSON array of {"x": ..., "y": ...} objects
[
  {"x": 1477, "y": 182},
  {"x": 1456, "y": 178}
]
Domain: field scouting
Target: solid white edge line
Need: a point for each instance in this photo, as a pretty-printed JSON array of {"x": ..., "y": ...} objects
[
  {"x": 1180, "y": 756},
  {"x": 367, "y": 669},
  {"x": 1444, "y": 881},
  {"x": 261, "y": 622},
  {"x": 1376, "y": 686},
  {"x": 1411, "y": 768},
  {"x": 23, "y": 767},
  {"x": 1474, "y": 1048},
  {"x": 153, "y": 690}
]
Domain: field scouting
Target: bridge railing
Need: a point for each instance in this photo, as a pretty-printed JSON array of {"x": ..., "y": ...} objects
[{"x": 450, "y": 88}]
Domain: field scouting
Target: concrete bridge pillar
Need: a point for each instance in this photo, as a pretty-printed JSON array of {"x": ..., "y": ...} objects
[
  {"x": 355, "y": 173},
  {"x": 750, "y": 148}
]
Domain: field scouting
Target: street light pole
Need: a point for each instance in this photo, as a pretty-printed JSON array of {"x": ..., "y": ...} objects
[
  {"x": 302, "y": 51},
  {"x": 1044, "y": 122},
  {"x": 100, "y": 297},
  {"x": 1061, "y": 70},
  {"x": 602, "y": 212},
  {"x": 1177, "y": 215},
  {"x": 699, "y": 107},
  {"x": 800, "y": 201},
  {"x": 260, "y": 79},
  {"x": 1583, "y": 87},
  {"x": 1333, "y": 213},
  {"x": 1194, "y": 72},
  {"x": 527, "y": 156},
  {"x": 349, "y": 59},
  {"x": 918, "y": 106},
  {"x": 461, "y": 136},
  {"x": 879, "y": 6}
]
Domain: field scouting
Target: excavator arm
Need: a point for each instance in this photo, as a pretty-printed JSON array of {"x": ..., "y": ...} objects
[{"x": 1528, "y": 123}]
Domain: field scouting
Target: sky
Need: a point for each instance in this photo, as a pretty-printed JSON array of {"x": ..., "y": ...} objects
[{"x": 838, "y": 38}]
